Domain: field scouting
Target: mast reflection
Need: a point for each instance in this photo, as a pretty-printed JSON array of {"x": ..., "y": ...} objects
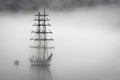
[{"x": 41, "y": 73}]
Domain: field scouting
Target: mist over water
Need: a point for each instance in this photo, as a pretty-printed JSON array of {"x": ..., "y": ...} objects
[{"x": 86, "y": 44}]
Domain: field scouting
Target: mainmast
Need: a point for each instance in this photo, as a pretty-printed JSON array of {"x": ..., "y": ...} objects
[{"x": 41, "y": 35}]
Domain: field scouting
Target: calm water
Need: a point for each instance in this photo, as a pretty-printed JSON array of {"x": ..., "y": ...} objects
[{"x": 87, "y": 45}]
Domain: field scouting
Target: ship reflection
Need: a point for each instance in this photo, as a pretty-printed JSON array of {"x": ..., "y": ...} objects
[{"x": 40, "y": 73}]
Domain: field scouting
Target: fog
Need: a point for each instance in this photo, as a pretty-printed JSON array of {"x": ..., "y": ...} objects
[{"x": 86, "y": 45}]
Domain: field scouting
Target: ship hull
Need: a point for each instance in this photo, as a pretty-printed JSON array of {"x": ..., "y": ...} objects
[
  {"x": 45, "y": 62},
  {"x": 40, "y": 63}
]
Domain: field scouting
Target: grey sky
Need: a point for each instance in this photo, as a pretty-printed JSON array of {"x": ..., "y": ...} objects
[{"x": 29, "y": 5}]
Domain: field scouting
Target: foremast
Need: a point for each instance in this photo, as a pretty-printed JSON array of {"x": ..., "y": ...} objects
[{"x": 41, "y": 39}]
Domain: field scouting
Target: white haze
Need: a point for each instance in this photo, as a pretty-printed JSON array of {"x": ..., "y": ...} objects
[{"x": 87, "y": 43}]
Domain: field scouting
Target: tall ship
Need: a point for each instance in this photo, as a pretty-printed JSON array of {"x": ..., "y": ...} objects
[{"x": 41, "y": 54}]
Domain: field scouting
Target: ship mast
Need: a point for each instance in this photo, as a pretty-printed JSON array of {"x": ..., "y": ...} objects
[{"x": 41, "y": 36}]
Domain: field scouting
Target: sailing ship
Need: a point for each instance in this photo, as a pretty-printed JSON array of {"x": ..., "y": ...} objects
[{"x": 41, "y": 51}]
